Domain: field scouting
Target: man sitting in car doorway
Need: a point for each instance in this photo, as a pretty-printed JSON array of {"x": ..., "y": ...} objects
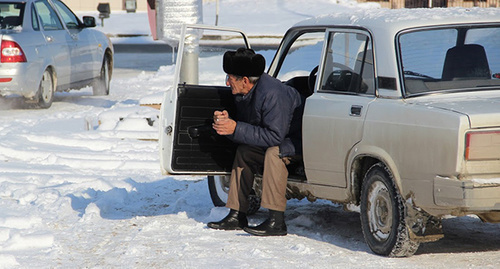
[{"x": 268, "y": 131}]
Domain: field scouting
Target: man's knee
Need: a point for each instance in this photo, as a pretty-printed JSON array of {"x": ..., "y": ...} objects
[
  {"x": 273, "y": 154},
  {"x": 249, "y": 154},
  {"x": 273, "y": 151}
]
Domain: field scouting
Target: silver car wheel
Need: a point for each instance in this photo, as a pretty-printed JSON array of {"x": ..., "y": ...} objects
[
  {"x": 383, "y": 215},
  {"x": 101, "y": 84},
  {"x": 379, "y": 211},
  {"x": 46, "y": 87},
  {"x": 219, "y": 189},
  {"x": 46, "y": 90}
]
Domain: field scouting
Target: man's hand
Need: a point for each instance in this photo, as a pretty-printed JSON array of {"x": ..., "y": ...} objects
[{"x": 223, "y": 125}]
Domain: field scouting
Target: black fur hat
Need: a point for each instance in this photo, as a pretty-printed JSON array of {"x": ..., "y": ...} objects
[{"x": 243, "y": 62}]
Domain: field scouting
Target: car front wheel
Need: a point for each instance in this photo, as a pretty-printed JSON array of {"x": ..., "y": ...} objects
[
  {"x": 218, "y": 187},
  {"x": 101, "y": 84},
  {"x": 45, "y": 90},
  {"x": 383, "y": 215}
]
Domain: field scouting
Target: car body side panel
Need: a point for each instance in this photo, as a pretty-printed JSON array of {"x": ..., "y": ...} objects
[{"x": 422, "y": 142}]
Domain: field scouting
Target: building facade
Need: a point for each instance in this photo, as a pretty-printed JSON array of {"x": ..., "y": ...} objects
[
  {"x": 434, "y": 3},
  {"x": 115, "y": 5}
]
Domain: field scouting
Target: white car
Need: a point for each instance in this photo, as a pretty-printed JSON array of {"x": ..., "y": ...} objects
[
  {"x": 46, "y": 48},
  {"x": 402, "y": 117}
]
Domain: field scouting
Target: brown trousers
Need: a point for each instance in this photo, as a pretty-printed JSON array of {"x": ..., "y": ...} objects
[{"x": 250, "y": 160}]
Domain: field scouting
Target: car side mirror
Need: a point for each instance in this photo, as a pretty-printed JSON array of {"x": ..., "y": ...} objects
[{"x": 89, "y": 21}]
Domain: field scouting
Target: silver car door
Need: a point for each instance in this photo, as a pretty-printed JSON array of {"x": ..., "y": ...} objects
[
  {"x": 334, "y": 115},
  {"x": 57, "y": 40},
  {"x": 82, "y": 52},
  {"x": 188, "y": 144}
]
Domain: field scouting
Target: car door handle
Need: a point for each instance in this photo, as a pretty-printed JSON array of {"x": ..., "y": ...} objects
[
  {"x": 49, "y": 38},
  {"x": 356, "y": 110}
]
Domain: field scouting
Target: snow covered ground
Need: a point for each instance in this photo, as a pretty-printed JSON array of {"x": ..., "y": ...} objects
[{"x": 80, "y": 183}]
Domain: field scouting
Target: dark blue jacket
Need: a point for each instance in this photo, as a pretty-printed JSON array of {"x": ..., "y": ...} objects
[{"x": 270, "y": 115}]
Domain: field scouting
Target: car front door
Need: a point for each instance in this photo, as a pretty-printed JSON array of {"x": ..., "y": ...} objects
[
  {"x": 334, "y": 114},
  {"x": 57, "y": 39},
  {"x": 188, "y": 143},
  {"x": 83, "y": 54}
]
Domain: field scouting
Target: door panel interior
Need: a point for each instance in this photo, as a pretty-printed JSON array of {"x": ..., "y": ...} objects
[{"x": 197, "y": 147}]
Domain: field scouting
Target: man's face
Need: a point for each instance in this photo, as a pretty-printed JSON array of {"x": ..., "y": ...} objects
[{"x": 239, "y": 85}]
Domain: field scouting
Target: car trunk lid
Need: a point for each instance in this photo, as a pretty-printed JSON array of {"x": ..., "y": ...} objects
[{"x": 482, "y": 108}]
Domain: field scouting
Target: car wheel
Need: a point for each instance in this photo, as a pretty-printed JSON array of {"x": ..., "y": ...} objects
[
  {"x": 101, "y": 84},
  {"x": 46, "y": 88},
  {"x": 219, "y": 189},
  {"x": 383, "y": 215}
]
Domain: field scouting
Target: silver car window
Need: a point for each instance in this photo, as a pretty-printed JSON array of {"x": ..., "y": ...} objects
[
  {"x": 348, "y": 64},
  {"x": 68, "y": 17},
  {"x": 48, "y": 17},
  {"x": 34, "y": 19},
  {"x": 302, "y": 56}
]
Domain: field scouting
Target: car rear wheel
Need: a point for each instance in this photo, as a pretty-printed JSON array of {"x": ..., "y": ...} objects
[
  {"x": 46, "y": 90},
  {"x": 383, "y": 215},
  {"x": 101, "y": 84},
  {"x": 219, "y": 189}
]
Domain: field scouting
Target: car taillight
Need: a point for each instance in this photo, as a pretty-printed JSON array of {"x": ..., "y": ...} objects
[
  {"x": 11, "y": 52},
  {"x": 482, "y": 145}
]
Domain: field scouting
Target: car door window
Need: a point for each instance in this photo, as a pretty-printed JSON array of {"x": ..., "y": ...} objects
[
  {"x": 68, "y": 17},
  {"x": 348, "y": 66},
  {"x": 48, "y": 17},
  {"x": 302, "y": 56},
  {"x": 34, "y": 19}
]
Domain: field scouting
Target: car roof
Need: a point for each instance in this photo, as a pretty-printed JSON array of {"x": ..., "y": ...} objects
[{"x": 395, "y": 20}]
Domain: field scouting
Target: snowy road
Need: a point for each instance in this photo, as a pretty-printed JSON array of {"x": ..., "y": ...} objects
[
  {"x": 78, "y": 189},
  {"x": 80, "y": 183}
]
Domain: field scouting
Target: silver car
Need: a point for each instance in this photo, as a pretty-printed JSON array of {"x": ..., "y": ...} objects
[
  {"x": 401, "y": 120},
  {"x": 46, "y": 48}
]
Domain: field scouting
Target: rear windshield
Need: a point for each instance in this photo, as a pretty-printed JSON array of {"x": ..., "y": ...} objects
[
  {"x": 11, "y": 15},
  {"x": 465, "y": 58}
]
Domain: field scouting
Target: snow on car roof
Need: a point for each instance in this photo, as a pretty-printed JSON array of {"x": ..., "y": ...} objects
[{"x": 398, "y": 19}]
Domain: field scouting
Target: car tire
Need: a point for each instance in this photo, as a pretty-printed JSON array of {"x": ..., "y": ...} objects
[
  {"x": 383, "y": 215},
  {"x": 218, "y": 187},
  {"x": 46, "y": 89},
  {"x": 101, "y": 84}
]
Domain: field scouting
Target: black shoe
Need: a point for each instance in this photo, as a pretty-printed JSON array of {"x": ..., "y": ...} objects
[
  {"x": 273, "y": 226},
  {"x": 235, "y": 220}
]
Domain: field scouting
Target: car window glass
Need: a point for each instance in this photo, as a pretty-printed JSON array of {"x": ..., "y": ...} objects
[
  {"x": 418, "y": 48},
  {"x": 450, "y": 59},
  {"x": 11, "y": 15},
  {"x": 348, "y": 65},
  {"x": 34, "y": 19},
  {"x": 302, "y": 56},
  {"x": 68, "y": 17},
  {"x": 48, "y": 17},
  {"x": 489, "y": 38}
]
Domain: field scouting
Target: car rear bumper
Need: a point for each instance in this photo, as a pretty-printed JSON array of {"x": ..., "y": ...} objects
[
  {"x": 468, "y": 196},
  {"x": 18, "y": 79}
]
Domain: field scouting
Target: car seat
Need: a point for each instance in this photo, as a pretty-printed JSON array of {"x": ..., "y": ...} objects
[{"x": 466, "y": 61}]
